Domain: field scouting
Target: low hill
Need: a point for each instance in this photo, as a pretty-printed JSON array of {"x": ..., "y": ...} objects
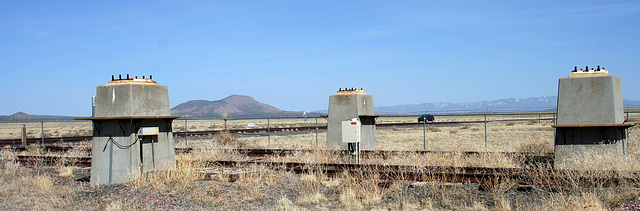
[
  {"x": 23, "y": 117},
  {"x": 236, "y": 106},
  {"x": 20, "y": 116}
]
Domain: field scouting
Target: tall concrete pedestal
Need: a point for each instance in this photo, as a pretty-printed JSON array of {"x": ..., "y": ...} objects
[
  {"x": 346, "y": 105},
  {"x": 590, "y": 117},
  {"x": 132, "y": 130}
]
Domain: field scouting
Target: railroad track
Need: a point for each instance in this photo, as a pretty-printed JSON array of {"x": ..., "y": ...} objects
[
  {"x": 527, "y": 159},
  {"x": 542, "y": 176},
  {"x": 445, "y": 173},
  {"x": 71, "y": 139},
  {"x": 51, "y": 160},
  {"x": 47, "y": 141}
]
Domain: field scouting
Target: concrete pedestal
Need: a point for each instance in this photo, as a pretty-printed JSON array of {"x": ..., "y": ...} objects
[
  {"x": 590, "y": 118},
  {"x": 120, "y": 149},
  {"x": 117, "y": 147},
  {"x": 590, "y": 100},
  {"x": 346, "y": 105}
]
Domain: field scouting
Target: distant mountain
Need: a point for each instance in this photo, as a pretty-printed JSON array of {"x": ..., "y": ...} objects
[
  {"x": 498, "y": 105},
  {"x": 236, "y": 106},
  {"x": 21, "y": 116},
  {"x": 548, "y": 103}
]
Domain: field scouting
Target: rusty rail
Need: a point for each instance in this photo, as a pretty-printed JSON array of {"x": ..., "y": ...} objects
[
  {"x": 401, "y": 172},
  {"x": 526, "y": 158}
]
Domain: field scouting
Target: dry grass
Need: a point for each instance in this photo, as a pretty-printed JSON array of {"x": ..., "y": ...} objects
[
  {"x": 268, "y": 188},
  {"x": 175, "y": 180},
  {"x": 51, "y": 129},
  {"x": 228, "y": 139}
]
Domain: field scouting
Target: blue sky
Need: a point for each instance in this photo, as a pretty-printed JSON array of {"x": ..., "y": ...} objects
[{"x": 294, "y": 54}]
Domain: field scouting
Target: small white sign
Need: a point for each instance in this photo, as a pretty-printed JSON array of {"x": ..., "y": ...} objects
[{"x": 251, "y": 125}]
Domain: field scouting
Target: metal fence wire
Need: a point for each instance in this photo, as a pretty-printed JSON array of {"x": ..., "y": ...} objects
[{"x": 270, "y": 131}]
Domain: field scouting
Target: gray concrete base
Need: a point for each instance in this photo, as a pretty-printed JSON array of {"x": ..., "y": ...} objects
[
  {"x": 343, "y": 107},
  {"x": 115, "y": 165},
  {"x": 118, "y": 153},
  {"x": 590, "y": 100},
  {"x": 597, "y": 156}
]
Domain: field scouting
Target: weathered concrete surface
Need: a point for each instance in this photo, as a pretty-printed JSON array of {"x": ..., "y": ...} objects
[
  {"x": 132, "y": 99},
  {"x": 125, "y": 163},
  {"x": 347, "y": 106},
  {"x": 119, "y": 154},
  {"x": 575, "y": 157},
  {"x": 590, "y": 100}
]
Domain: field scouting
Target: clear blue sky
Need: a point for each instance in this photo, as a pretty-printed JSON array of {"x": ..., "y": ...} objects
[{"x": 294, "y": 54}]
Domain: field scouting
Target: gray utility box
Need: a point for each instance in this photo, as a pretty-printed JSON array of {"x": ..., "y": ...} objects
[
  {"x": 590, "y": 117},
  {"x": 132, "y": 131},
  {"x": 351, "y": 131},
  {"x": 349, "y": 104}
]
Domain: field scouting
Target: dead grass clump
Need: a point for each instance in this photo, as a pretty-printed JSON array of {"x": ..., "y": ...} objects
[
  {"x": 357, "y": 193},
  {"x": 65, "y": 171},
  {"x": 601, "y": 159},
  {"x": 465, "y": 127},
  {"x": 312, "y": 188},
  {"x": 312, "y": 157},
  {"x": 445, "y": 195},
  {"x": 174, "y": 180},
  {"x": 394, "y": 128},
  {"x": 285, "y": 204},
  {"x": 8, "y": 162},
  {"x": 311, "y": 198},
  {"x": 229, "y": 139},
  {"x": 35, "y": 149},
  {"x": 433, "y": 129},
  {"x": 492, "y": 160},
  {"x": 532, "y": 122},
  {"x": 256, "y": 182},
  {"x": 614, "y": 197},
  {"x": 510, "y": 124},
  {"x": 535, "y": 149},
  {"x": 213, "y": 151},
  {"x": 28, "y": 189}
]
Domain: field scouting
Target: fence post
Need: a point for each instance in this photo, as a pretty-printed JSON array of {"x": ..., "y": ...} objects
[
  {"x": 42, "y": 131},
  {"x": 24, "y": 135},
  {"x": 268, "y": 131},
  {"x": 424, "y": 132},
  {"x": 186, "y": 134},
  {"x": 316, "y": 131},
  {"x": 485, "y": 129}
]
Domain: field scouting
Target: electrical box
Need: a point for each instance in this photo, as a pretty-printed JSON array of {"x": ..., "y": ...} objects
[
  {"x": 148, "y": 131},
  {"x": 351, "y": 131}
]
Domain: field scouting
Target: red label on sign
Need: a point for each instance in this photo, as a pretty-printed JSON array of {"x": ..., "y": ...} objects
[{"x": 353, "y": 123}]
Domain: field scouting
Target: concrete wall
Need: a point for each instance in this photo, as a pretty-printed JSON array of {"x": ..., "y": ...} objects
[
  {"x": 132, "y": 99},
  {"x": 344, "y": 107}
]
